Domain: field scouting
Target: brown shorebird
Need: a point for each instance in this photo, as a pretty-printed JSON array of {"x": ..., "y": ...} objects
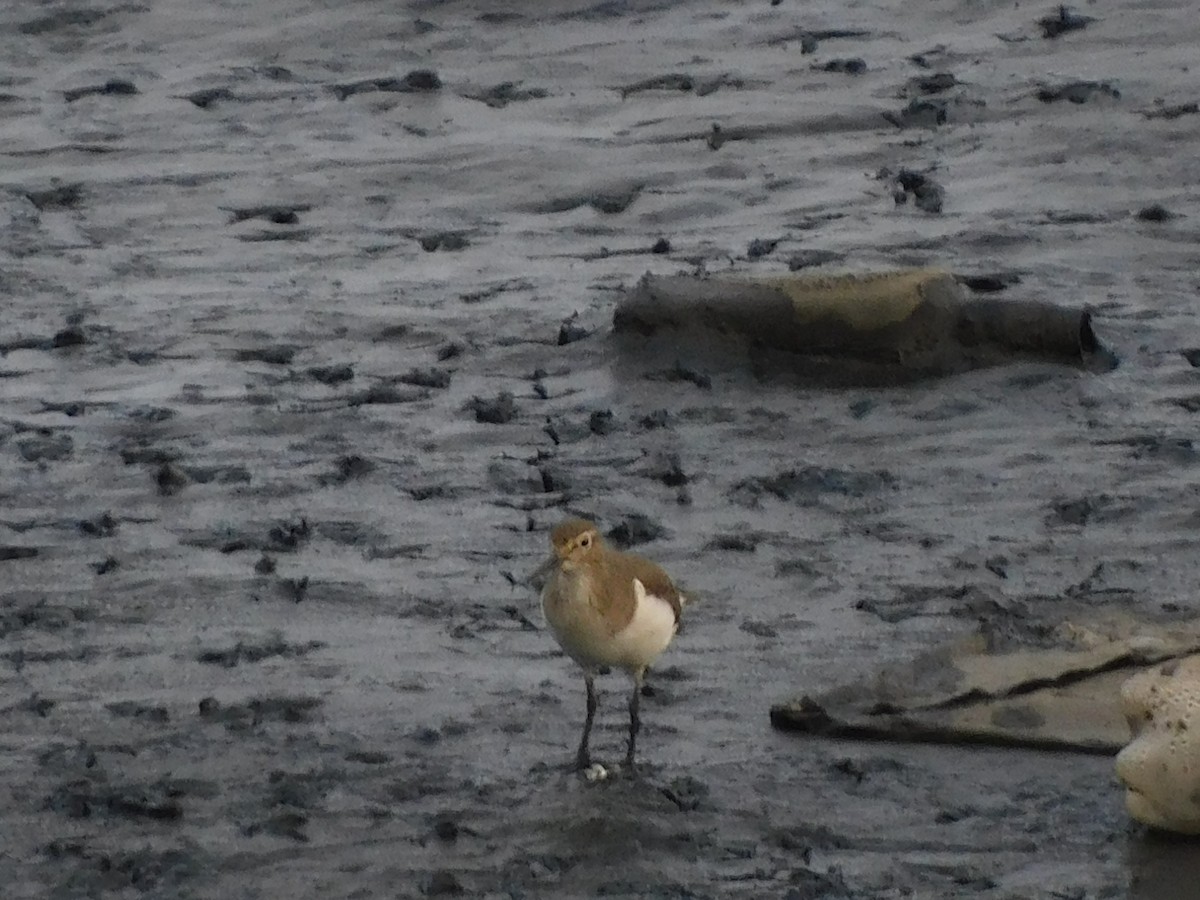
[{"x": 607, "y": 608}]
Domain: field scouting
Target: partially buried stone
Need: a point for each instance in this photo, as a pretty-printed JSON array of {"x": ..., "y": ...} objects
[
  {"x": 48, "y": 447},
  {"x": 445, "y": 828},
  {"x": 443, "y": 883},
  {"x": 635, "y": 529},
  {"x": 990, "y": 282},
  {"x": 1158, "y": 766},
  {"x": 106, "y": 565},
  {"x": 571, "y": 331},
  {"x": 760, "y": 247},
  {"x": 919, "y": 114},
  {"x": 421, "y": 80},
  {"x": 416, "y": 81},
  {"x": 114, "y": 86},
  {"x": 276, "y": 356},
  {"x": 933, "y": 84},
  {"x": 802, "y": 259},
  {"x": 353, "y": 466},
  {"x": 667, "y": 468},
  {"x": 600, "y": 422},
  {"x": 428, "y": 378},
  {"x": 660, "y": 418},
  {"x": 1156, "y": 212},
  {"x": 595, "y": 773},
  {"x": 66, "y": 196},
  {"x": 686, "y": 792},
  {"x": 443, "y": 240},
  {"x": 170, "y": 479},
  {"x": 851, "y": 66},
  {"x": 1076, "y": 91},
  {"x": 496, "y": 411},
  {"x": 386, "y": 394},
  {"x": 70, "y": 408},
  {"x": 71, "y": 336},
  {"x": 331, "y": 375},
  {"x": 927, "y": 194},
  {"x": 1063, "y": 21},
  {"x": 207, "y": 97}
]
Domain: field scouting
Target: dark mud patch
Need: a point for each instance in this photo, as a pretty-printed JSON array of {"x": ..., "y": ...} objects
[
  {"x": 141, "y": 712},
  {"x": 86, "y": 798},
  {"x": 919, "y": 113},
  {"x": 927, "y": 194},
  {"x": 62, "y": 196},
  {"x": 255, "y": 712},
  {"x": 39, "y": 615},
  {"x": 118, "y": 87},
  {"x": 350, "y": 467},
  {"x": 1063, "y": 21},
  {"x": 809, "y": 485},
  {"x": 281, "y": 537},
  {"x": 500, "y": 95},
  {"x": 275, "y": 356},
  {"x": 206, "y": 98},
  {"x": 91, "y": 869},
  {"x": 331, "y": 375},
  {"x": 1077, "y": 92},
  {"x": 256, "y": 651},
  {"x": 46, "y": 447},
  {"x": 607, "y": 201},
  {"x": 496, "y": 410},
  {"x": 634, "y": 530},
  {"x": 682, "y": 373},
  {"x": 736, "y": 541},
  {"x": 418, "y": 81},
  {"x": 273, "y": 213}
]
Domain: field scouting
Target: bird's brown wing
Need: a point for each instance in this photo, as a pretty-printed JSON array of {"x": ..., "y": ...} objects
[{"x": 654, "y": 580}]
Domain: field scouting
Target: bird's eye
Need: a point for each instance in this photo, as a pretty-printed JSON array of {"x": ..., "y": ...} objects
[{"x": 585, "y": 541}]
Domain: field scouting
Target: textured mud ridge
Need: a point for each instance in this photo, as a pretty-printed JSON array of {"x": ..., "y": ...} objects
[{"x": 306, "y": 342}]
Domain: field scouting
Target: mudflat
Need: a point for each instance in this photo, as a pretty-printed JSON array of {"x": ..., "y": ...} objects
[{"x": 306, "y": 345}]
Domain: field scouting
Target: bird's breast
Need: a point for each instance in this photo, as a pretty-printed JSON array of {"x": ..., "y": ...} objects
[
  {"x": 565, "y": 599},
  {"x": 595, "y": 634}
]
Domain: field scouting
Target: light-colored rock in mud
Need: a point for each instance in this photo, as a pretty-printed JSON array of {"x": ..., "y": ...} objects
[
  {"x": 1160, "y": 767},
  {"x": 917, "y": 319}
]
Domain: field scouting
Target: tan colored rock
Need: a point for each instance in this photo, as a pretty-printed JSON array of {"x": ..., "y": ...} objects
[
  {"x": 1160, "y": 767},
  {"x": 915, "y": 319}
]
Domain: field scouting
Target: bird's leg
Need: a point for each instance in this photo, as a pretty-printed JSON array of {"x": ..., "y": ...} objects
[
  {"x": 634, "y": 722},
  {"x": 583, "y": 758}
]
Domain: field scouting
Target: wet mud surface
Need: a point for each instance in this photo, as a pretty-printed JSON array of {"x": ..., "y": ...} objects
[{"x": 306, "y": 343}]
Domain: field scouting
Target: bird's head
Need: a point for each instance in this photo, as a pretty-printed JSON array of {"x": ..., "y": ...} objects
[{"x": 575, "y": 542}]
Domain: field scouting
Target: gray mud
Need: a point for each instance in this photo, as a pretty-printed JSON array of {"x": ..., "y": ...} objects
[{"x": 306, "y": 344}]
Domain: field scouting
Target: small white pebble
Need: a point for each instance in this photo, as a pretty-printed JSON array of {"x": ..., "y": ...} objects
[{"x": 595, "y": 772}]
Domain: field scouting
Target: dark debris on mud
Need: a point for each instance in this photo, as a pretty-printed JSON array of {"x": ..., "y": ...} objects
[{"x": 288, "y": 418}]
